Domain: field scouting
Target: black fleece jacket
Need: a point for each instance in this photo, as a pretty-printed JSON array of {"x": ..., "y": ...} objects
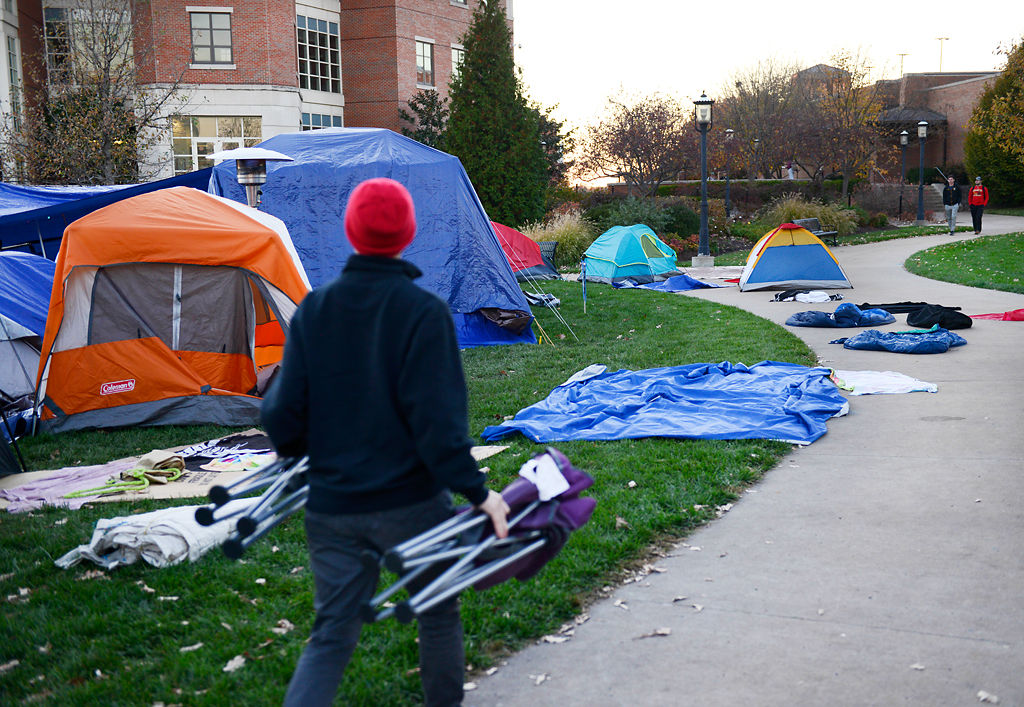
[{"x": 371, "y": 388}]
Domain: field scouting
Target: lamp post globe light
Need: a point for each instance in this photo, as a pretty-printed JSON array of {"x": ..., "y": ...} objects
[
  {"x": 729, "y": 132},
  {"x": 251, "y": 168},
  {"x": 904, "y": 139},
  {"x": 702, "y": 109},
  {"x": 922, "y": 133}
]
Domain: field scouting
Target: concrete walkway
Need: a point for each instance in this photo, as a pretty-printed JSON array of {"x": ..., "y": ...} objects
[{"x": 881, "y": 565}]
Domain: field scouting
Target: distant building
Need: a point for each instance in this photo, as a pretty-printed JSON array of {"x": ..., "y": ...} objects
[
  {"x": 249, "y": 71},
  {"x": 945, "y": 100}
]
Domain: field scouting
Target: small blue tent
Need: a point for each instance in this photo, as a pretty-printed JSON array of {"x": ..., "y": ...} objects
[
  {"x": 25, "y": 284},
  {"x": 629, "y": 252},
  {"x": 33, "y": 218},
  {"x": 455, "y": 246}
]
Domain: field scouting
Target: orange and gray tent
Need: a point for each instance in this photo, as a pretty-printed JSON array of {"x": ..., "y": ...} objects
[
  {"x": 791, "y": 257},
  {"x": 170, "y": 307}
]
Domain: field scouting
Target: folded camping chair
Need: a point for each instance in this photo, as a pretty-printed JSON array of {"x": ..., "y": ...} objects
[
  {"x": 285, "y": 491},
  {"x": 545, "y": 509}
]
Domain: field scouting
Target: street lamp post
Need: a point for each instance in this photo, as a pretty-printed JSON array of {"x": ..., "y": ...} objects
[
  {"x": 922, "y": 133},
  {"x": 702, "y": 108},
  {"x": 904, "y": 137},
  {"x": 728, "y": 143}
]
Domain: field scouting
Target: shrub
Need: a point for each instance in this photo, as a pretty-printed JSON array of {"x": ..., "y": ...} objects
[
  {"x": 681, "y": 218},
  {"x": 791, "y": 207},
  {"x": 570, "y": 229},
  {"x": 627, "y": 212},
  {"x": 879, "y": 220}
]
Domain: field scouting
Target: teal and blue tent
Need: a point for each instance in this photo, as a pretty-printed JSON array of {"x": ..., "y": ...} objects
[
  {"x": 629, "y": 252},
  {"x": 455, "y": 245}
]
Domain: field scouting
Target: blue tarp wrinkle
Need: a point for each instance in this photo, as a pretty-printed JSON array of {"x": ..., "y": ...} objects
[
  {"x": 769, "y": 400},
  {"x": 846, "y": 315},
  {"x": 931, "y": 341},
  {"x": 676, "y": 283}
]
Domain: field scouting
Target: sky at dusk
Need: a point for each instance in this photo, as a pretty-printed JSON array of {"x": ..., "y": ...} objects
[{"x": 576, "y": 53}]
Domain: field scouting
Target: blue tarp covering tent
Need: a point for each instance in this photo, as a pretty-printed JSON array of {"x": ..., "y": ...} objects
[
  {"x": 769, "y": 400},
  {"x": 25, "y": 284},
  {"x": 455, "y": 246},
  {"x": 634, "y": 252},
  {"x": 33, "y": 218}
]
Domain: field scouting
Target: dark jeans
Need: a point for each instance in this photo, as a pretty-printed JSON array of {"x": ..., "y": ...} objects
[
  {"x": 976, "y": 211},
  {"x": 343, "y": 584}
]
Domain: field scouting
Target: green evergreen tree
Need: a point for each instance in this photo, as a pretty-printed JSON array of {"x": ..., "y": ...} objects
[
  {"x": 428, "y": 119},
  {"x": 491, "y": 127}
]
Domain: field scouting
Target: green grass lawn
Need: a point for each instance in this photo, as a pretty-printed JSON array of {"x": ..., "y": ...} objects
[
  {"x": 991, "y": 262},
  {"x": 138, "y": 635}
]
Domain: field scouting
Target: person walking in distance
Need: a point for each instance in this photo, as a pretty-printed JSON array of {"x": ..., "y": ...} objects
[
  {"x": 371, "y": 388},
  {"x": 977, "y": 199},
  {"x": 951, "y": 196}
]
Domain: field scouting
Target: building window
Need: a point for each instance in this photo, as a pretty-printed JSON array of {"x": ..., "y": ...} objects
[
  {"x": 211, "y": 37},
  {"x": 424, "y": 63},
  {"x": 315, "y": 121},
  {"x": 12, "y": 75},
  {"x": 460, "y": 3},
  {"x": 196, "y": 137},
  {"x": 9, "y": 5},
  {"x": 319, "y": 52},
  {"x": 458, "y": 56},
  {"x": 57, "y": 38}
]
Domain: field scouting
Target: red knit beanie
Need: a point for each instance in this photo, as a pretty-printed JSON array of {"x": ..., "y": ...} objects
[{"x": 380, "y": 218}]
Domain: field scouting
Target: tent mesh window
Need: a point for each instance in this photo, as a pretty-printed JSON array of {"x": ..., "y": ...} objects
[{"x": 188, "y": 307}]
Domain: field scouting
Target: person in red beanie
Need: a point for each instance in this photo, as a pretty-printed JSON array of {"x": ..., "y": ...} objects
[
  {"x": 371, "y": 388},
  {"x": 977, "y": 199}
]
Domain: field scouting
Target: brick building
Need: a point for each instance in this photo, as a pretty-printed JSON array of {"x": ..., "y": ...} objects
[{"x": 250, "y": 70}]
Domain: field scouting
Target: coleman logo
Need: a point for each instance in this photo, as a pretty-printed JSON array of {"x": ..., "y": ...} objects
[{"x": 117, "y": 387}]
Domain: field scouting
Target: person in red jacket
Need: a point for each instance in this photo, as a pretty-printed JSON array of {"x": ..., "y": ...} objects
[{"x": 977, "y": 199}]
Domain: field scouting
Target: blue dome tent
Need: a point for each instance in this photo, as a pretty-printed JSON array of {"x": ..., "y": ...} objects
[
  {"x": 629, "y": 252},
  {"x": 455, "y": 246}
]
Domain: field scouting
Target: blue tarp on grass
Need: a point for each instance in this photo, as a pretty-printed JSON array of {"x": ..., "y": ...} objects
[
  {"x": 769, "y": 400},
  {"x": 676, "y": 283}
]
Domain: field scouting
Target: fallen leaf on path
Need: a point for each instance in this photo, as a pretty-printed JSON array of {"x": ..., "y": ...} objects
[
  {"x": 681, "y": 597},
  {"x": 697, "y": 607},
  {"x": 917, "y": 666},
  {"x": 148, "y": 590},
  {"x": 656, "y": 632},
  {"x": 44, "y": 649},
  {"x": 491, "y": 671},
  {"x": 621, "y": 604},
  {"x": 538, "y": 679},
  {"x": 469, "y": 686},
  {"x": 93, "y": 574},
  {"x": 987, "y": 697},
  {"x": 555, "y": 639},
  {"x": 621, "y": 523}
]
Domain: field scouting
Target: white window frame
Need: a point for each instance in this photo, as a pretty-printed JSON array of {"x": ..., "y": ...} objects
[
  {"x": 210, "y": 10},
  {"x": 426, "y": 42},
  {"x": 334, "y": 63},
  {"x": 460, "y": 51},
  {"x": 214, "y": 143}
]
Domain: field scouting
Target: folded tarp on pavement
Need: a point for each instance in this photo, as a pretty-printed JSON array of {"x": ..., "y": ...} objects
[
  {"x": 676, "y": 283},
  {"x": 846, "y": 315},
  {"x": 933, "y": 341},
  {"x": 769, "y": 400},
  {"x": 880, "y": 383},
  {"x": 162, "y": 538}
]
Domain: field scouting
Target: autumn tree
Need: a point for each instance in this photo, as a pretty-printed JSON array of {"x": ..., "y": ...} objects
[
  {"x": 87, "y": 119},
  {"x": 645, "y": 141},
  {"x": 760, "y": 104},
  {"x": 492, "y": 128},
  {"x": 843, "y": 106},
  {"x": 987, "y": 150}
]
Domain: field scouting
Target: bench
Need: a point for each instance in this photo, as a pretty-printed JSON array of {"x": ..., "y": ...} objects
[
  {"x": 547, "y": 251},
  {"x": 814, "y": 226}
]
